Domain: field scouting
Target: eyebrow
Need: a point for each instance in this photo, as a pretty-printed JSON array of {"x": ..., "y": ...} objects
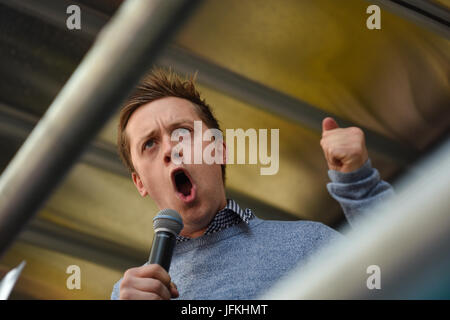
[{"x": 152, "y": 133}]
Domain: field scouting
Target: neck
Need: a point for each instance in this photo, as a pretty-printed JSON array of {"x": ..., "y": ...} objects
[
  {"x": 197, "y": 230},
  {"x": 193, "y": 234}
]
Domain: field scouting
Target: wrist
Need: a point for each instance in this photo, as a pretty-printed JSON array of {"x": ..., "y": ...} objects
[{"x": 348, "y": 177}]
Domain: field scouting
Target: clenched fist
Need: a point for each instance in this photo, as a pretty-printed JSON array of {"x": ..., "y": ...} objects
[{"x": 344, "y": 148}]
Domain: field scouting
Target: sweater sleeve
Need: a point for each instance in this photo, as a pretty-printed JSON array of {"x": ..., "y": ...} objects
[
  {"x": 116, "y": 291},
  {"x": 358, "y": 190}
]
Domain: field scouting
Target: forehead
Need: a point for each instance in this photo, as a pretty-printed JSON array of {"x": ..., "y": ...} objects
[{"x": 161, "y": 112}]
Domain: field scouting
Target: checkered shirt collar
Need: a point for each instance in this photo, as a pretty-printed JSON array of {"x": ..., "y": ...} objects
[{"x": 229, "y": 216}]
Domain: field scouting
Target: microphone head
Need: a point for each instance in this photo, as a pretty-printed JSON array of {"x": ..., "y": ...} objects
[{"x": 168, "y": 219}]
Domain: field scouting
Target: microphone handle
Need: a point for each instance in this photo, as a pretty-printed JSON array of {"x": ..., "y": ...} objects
[{"x": 162, "y": 249}]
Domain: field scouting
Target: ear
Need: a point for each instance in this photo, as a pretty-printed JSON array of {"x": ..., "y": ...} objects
[{"x": 139, "y": 185}]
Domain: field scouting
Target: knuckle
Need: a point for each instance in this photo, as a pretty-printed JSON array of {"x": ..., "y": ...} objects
[
  {"x": 330, "y": 149},
  {"x": 357, "y": 131},
  {"x": 124, "y": 283},
  {"x": 152, "y": 268},
  {"x": 147, "y": 271},
  {"x": 126, "y": 277},
  {"x": 129, "y": 273},
  {"x": 125, "y": 294}
]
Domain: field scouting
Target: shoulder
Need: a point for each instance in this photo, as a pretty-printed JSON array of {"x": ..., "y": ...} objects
[
  {"x": 300, "y": 230},
  {"x": 295, "y": 225},
  {"x": 289, "y": 241}
]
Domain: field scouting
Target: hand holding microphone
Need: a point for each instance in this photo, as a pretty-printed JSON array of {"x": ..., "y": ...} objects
[{"x": 152, "y": 282}]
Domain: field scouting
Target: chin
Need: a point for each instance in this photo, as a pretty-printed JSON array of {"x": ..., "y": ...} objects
[{"x": 195, "y": 213}]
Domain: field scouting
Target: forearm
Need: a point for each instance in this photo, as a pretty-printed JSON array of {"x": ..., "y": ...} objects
[{"x": 359, "y": 190}]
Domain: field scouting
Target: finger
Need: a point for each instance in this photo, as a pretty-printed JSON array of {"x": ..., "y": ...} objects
[
  {"x": 153, "y": 271},
  {"x": 152, "y": 286},
  {"x": 174, "y": 291},
  {"x": 336, "y": 162},
  {"x": 133, "y": 294},
  {"x": 329, "y": 124}
]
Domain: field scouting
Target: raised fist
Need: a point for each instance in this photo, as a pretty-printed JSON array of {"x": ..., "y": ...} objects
[{"x": 344, "y": 148}]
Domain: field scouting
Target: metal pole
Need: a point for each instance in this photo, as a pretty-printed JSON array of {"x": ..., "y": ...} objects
[
  {"x": 17, "y": 125},
  {"x": 276, "y": 102},
  {"x": 227, "y": 81},
  {"x": 125, "y": 49},
  {"x": 408, "y": 239},
  {"x": 428, "y": 14}
]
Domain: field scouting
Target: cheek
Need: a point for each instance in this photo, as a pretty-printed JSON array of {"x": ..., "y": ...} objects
[
  {"x": 153, "y": 180},
  {"x": 160, "y": 190},
  {"x": 211, "y": 175}
]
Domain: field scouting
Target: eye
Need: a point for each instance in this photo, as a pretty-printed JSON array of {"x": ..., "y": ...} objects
[{"x": 149, "y": 144}]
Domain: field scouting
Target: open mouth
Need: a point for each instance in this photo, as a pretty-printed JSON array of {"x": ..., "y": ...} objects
[{"x": 183, "y": 185}]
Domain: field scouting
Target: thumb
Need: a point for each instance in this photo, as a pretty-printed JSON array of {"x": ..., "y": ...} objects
[{"x": 329, "y": 124}]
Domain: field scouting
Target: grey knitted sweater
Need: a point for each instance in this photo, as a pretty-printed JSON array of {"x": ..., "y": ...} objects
[{"x": 243, "y": 261}]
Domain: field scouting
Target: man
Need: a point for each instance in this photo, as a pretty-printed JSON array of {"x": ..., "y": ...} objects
[{"x": 223, "y": 252}]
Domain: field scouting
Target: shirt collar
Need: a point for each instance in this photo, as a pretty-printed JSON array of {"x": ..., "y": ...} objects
[
  {"x": 233, "y": 206},
  {"x": 230, "y": 215}
]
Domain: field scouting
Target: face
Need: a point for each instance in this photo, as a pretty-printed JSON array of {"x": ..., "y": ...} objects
[{"x": 196, "y": 191}]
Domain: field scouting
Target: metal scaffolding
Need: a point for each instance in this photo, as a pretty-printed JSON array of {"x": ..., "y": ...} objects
[
  {"x": 124, "y": 50},
  {"x": 415, "y": 222},
  {"x": 224, "y": 80},
  {"x": 407, "y": 238}
]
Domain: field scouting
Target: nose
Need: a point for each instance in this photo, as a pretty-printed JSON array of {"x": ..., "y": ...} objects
[{"x": 167, "y": 150}]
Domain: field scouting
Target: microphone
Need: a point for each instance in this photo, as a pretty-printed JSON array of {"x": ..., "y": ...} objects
[{"x": 167, "y": 225}]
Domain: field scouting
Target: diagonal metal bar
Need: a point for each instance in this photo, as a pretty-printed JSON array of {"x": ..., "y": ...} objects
[
  {"x": 274, "y": 101},
  {"x": 422, "y": 12},
  {"x": 54, "y": 12},
  {"x": 124, "y": 50},
  {"x": 16, "y": 124},
  {"x": 51, "y": 236},
  {"x": 407, "y": 238},
  {"x": 233, "y": 84}
]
